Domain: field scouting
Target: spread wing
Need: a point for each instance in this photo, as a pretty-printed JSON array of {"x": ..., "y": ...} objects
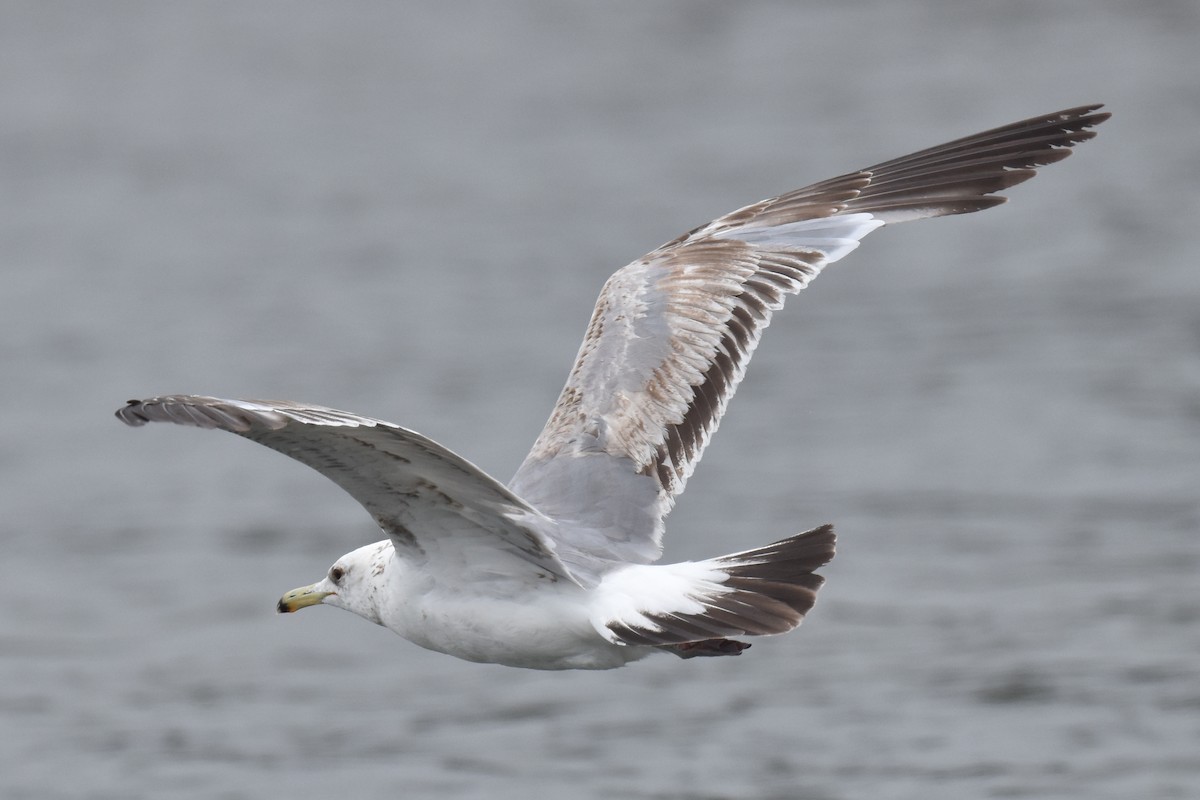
[
  {"x": 436, "y": 507},
  {"x": 672, "y": 332}
]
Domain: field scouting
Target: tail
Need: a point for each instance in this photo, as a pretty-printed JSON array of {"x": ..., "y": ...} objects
[{"x": 754, "y": 593}]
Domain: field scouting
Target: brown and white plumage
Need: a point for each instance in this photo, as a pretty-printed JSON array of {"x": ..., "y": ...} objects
[{"x": 554, "y": 570}]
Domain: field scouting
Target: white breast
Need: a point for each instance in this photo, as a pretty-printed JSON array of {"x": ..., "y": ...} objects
[{"x": 499, "y": 623}]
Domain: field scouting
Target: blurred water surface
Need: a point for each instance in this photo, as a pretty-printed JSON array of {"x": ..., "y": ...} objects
[{"x": 406, "y": 210}]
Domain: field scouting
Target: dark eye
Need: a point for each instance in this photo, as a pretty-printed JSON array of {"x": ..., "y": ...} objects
[{"x": 336, "y": 574}]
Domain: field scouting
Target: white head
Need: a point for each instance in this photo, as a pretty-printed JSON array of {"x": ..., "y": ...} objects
[{"x": 352, "y": 583}]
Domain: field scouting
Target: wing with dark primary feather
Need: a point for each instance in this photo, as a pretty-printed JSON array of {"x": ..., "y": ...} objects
[
  {"x": 672, "y": 332},
  {"x": 437, "y": 508}
]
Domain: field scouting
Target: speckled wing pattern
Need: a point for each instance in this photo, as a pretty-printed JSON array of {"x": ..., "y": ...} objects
[
  {"x": 434, "y": 505},
  {"x": 672, "y": 332}
]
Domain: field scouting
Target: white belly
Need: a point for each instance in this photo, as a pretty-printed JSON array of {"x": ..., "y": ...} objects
[{"x": 543, "y": 629}]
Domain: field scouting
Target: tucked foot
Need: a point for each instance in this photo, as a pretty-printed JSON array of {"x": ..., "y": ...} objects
[{"x": 708, "y": 647}]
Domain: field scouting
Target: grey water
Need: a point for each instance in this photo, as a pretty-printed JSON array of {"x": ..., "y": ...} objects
[{"x": 407, "y": 210}]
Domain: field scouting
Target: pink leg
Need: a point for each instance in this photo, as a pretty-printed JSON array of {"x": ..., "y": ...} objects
[{"x": 708, "y": 647}]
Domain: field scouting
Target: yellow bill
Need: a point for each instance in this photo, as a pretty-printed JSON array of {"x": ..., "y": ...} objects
[{"x": 300, "y": 598}]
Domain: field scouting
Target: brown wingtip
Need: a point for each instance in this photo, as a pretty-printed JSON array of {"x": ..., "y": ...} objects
[
  {"x": 963, "y": 175},
  {"x": 131, "y": 414}
]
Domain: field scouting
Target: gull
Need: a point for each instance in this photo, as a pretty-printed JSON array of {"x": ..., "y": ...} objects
[{"x": 555, "y": 570}]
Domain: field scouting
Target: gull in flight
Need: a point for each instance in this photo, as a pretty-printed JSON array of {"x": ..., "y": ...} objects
[{"x": 555, "y": 570}]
